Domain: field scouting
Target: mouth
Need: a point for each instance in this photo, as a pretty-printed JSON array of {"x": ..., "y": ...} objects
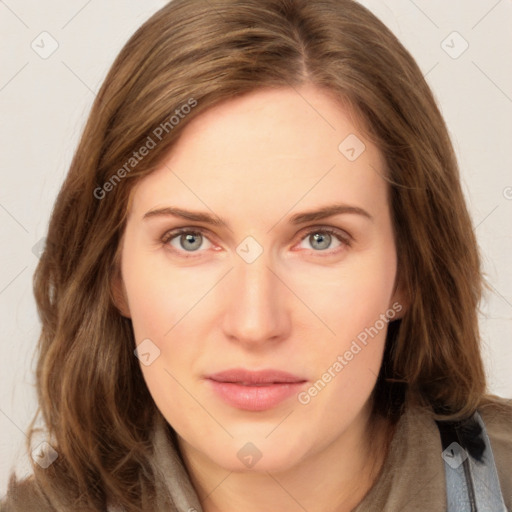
[{"x": 254, "y": 390}]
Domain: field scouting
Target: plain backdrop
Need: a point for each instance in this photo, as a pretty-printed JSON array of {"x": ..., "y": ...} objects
[{"x": 464, "y": 48}]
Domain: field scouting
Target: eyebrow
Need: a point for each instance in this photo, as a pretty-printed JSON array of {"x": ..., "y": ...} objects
[{"x": 298, "y": 218}]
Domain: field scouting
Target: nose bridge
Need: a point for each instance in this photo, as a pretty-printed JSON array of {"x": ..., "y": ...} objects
[
  {"x": 255, "y": 310},
  {"x": 256, "y": 282}
]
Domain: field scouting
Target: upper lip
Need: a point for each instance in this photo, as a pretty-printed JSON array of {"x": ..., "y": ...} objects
[{"x": 243, "y": 376}]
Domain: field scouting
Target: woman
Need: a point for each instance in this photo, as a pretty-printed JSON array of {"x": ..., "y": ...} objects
[{"x": 260, "y": 284}]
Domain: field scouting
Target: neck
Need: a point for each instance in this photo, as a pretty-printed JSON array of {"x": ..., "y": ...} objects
[{"x": 334, "y": 479}]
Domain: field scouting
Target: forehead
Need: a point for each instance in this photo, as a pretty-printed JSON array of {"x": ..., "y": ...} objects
[{"x": 268, "y": 147}]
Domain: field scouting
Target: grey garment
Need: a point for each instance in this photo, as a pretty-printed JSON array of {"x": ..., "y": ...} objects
[
  {"x": 412, "y": 478},
  {"x": 472, "y": 486},
  {"x": 175, "y": 492},
  {"x": 173, "y": 474}
]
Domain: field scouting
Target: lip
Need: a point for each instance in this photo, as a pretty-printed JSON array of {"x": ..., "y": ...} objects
[{"x": 254, "y": 390}]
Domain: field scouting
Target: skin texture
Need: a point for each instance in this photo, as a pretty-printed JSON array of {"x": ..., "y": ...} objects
[{"x": 255, "y": 161}]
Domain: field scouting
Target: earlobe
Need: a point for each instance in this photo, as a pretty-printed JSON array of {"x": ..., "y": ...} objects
[
  {"x": 399, "y": 302},
  {"x": 118, "y": 294},
  {"x": 396, "y": 309}
]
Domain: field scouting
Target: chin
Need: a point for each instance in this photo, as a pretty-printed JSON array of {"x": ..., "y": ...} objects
[
  {"x": 265, "y": 461},
  {"x": 255, "y": 454}
]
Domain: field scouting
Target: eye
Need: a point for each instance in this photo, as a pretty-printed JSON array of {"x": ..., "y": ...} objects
[
  {"x": 324, "y": 238},
  {"x": 186, "y": 240},
  {"x": 189, "y": 240}
]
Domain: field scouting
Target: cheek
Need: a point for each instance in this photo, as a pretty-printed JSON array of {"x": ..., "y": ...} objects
[
  {"x": 362, "y": 299},
  {"x": 163, "y": 301},
  {"x": 353, "y": 305},
  {"x": 160, "y": 296},
  {"x": 352, "y": 298}
]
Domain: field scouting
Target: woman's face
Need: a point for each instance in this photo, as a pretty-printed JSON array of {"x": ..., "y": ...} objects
[{"x": 262, "y": 325}]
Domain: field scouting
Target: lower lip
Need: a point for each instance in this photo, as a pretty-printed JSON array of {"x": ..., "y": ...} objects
[{"x": 255, "y": 398}]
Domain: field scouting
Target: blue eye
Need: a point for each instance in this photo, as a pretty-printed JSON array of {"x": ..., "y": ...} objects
[
  {"x": 320, "y": 240},
  {"x": 186, "y": 240}
]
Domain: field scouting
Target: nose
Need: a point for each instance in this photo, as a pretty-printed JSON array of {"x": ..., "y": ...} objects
[{"x": 256, "y": 305}]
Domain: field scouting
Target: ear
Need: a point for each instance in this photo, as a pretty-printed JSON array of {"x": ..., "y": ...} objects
[
  {"x": 118, "y": 294},
  {"x": 400, "y": 300}
]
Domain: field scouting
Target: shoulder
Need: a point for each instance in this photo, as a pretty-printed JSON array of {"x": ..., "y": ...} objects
[
  {"x": 24, "y": 496},
  {"x": 496, "y": 413}
]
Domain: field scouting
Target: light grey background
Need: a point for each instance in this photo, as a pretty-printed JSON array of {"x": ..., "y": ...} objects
[{"x": 45, "y": 102}]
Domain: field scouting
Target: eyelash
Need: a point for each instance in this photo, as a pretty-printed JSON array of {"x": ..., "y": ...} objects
[{"x": 344, "y": 238}]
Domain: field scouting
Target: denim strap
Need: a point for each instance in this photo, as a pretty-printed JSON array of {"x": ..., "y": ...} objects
[{"x": 471, "y": 485}]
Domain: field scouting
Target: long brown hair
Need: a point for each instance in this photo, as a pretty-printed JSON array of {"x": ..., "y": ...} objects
[{"x": 92, "y": 395}]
